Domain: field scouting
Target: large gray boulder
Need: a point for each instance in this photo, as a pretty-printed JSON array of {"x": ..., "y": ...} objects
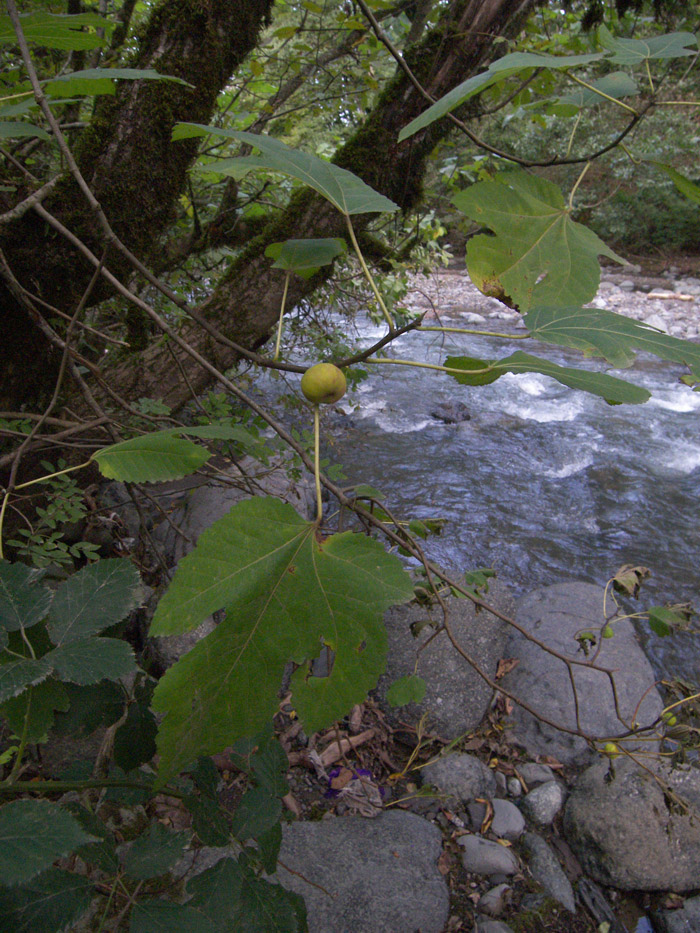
[
  {"x": 367, "y": 876},
  {"x": 684, "y": 920},
  {"x": 555, "y": 615},
  {"x": 625, "y": 834},
  {"x": 456, "y": 697}
]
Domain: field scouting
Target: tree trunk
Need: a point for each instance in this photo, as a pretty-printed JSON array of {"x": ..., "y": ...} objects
[
  {"x": 245, "y": 304},
  {"x": 132, "y": 167}
]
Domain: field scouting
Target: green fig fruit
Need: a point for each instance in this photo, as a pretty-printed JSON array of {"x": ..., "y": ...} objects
[{"x": 323, "y": 384}]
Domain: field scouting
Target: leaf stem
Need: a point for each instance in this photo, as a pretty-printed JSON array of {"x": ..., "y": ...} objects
[
  {"x": 368, "y": 274},
  {"x": 17, "y": 764},
  {"x": 577, "y": 183},
  {"x": 441, "y": 369},
  {"x": 613, "y": 100},
  {"x": 317, "y": 462},
  {"x": 42, "y": 479},
  {"x": 279, "y": 326},
  {"x": 476, "y": 333}
]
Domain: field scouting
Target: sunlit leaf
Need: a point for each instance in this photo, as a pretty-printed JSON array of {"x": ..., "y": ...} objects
[
  {"x": 635, "y": 51},
  {"x": 538, "y": 255},
  {"x": 33, "y": 834},
  {"x": 57, "y": 30},
  {"x": 344, "y": 190},
  {"x": 599, "y": 332},
  {"x": 286, "y": 594},
  {"x": 502, "y": 68},
  {"x": 94, "y": 598},
  {"x": 615, "y": 391},
  {"x": 151, "y": 458}
]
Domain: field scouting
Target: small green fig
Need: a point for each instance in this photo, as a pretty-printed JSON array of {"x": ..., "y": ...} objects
[
  {"x": 323, "y": 384},
  {"x": 608, "y": 631}
]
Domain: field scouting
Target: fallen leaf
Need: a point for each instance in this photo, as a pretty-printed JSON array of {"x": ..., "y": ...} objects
[{"x": 505, "y": 666}]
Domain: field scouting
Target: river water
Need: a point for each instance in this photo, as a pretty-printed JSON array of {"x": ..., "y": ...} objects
[{"x": 542, "y": 484}]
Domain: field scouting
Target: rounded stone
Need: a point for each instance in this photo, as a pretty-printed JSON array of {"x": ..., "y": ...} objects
[
  {"x": 484, "y": 857},
  {"x": 543, "y": 803},
  {"x": 494, "y": 902},
  {"x": 462, "y": 776}
]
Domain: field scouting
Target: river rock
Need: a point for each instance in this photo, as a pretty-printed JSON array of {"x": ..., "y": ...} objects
[
  {"x": 495, "y": 900},
  {"x": 492, "y": 926},
  {"x": 624, "y": 834},
  {"x": 533, "y": 773},
  {"x": 684, "y": 920},
  {"x": 545, "y": 869},
  {"x": 543, "y": 803},
  {"x": 451, "y": 412},
  {"x": 554, "y": 615},
  {"x": 507, "y": 821},
  {"x": 485, "y": 857},
  {"x": 461, "y": 776},
  {"x": 379, "y": 876},
  {"x": 456, "y": 697}
]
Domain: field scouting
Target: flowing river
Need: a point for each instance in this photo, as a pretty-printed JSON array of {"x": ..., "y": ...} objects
[{"x": 542, "y": 483}]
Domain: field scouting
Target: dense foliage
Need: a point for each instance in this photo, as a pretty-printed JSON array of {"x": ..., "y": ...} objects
[{"x": 167, "y": 199}]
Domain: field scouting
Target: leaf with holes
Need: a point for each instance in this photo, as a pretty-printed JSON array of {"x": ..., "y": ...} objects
[
  {"x": 636, "y": 51},
  {"x": 538, "y": 255},
  {"x": 286, "y": 593},
  {"x": 344, "y": 190},
  {"x": 599, "y": 332},
  {"x": 614, "y": 391}
]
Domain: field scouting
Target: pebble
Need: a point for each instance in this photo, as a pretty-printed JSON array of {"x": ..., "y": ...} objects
[
  {"x": 515, "y": 788},
  {"x": 463, "y": 776},
  {"x": 543, "y": 803},
  {"x": 534, "y": 774},
  {"x": 495, "y": 901},
  {"x": 507, "y": 823},
  {"x": 484, "y": 857}
]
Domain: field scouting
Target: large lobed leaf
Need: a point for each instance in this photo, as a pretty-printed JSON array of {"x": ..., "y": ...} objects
[
  {"x": 505, "y": 67},
  {"x": 636, "y": 51},
  {"x": 348, "y": 193},
  {"x": 538, "y": 255},
  {"x": 286, "y": 594},
  {"x": 598, "y": 332},
  {"x": 480, "y": 372}
]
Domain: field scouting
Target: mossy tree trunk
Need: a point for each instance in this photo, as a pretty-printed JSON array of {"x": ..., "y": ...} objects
[
  {"x": 132, "y": 167},
  {"x": 137, "y": 173}
]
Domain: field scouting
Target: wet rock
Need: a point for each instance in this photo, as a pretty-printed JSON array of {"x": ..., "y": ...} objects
[
  {"x": 624, "y": 834},
  {"x": 684, "y": 920},
  {"x": 546, "y": 870},
  {"x": 542, "y": 804},
  {"x": 451, "y": 412},
  {"x": 461, "y": 776},
  {"x": 555, "y": 615},
  {"x": 456, "y": 698},
  {"x": 379, "y": 876},
  {"x": 484, "y": 857}
]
